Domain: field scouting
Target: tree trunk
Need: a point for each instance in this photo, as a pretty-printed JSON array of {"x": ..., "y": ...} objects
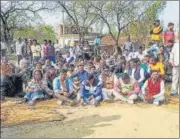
[
  {"x": 8, "y": 41},
  {"x": 7, "y": 38},
  {"x": 118, "y": 49},
  {"x": 80, "y": 39}
]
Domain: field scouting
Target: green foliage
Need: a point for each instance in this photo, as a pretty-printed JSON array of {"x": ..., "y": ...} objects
[
  {"x": 141, "y": 27},
  {"x": 40, "y": 33},
  {"x": 155, "y": 9}
]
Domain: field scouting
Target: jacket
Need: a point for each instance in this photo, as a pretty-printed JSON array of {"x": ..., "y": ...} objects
[
  {"x": 86, "y": 90},
  {"x": 136, "y": 73}
]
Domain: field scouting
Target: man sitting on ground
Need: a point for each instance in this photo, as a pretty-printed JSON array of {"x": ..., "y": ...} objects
[
  {"x": 136, "y": 72},
  {"x": 9, "y": 85},
  {"x": 63, "y": 87},
  {"x": 153, "y": 89},
  {"x": 127, "y": 88},
  {"x": 90, "y": 91},
  {"x": 107, "y": 81}
]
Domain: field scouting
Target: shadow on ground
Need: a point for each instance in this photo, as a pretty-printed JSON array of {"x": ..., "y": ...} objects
[{"x": 76, "y": 128}]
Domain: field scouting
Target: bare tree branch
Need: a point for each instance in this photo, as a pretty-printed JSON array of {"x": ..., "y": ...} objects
[{"x": 18, "y": 13}]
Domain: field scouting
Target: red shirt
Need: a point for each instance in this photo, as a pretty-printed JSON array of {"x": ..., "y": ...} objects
[
  {"x": 153, "y": 88},
  {"x": 168, "y": 35},
  {"x": 45, "y": 50}
]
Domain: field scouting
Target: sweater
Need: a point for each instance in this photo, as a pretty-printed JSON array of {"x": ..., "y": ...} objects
[{"x": 86, "y": 90}]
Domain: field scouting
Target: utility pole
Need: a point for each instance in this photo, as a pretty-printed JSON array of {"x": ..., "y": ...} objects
[{"x": 63, "y": 26}]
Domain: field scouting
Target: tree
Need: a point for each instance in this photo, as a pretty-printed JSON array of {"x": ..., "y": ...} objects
[
  {"x": 142, "y": 27},
  {"x": 39, "y": 33},
  {"x": 16, "y": 14},
  {"x": 118, "y": 15},
  {"x": 79, "y": 14}
]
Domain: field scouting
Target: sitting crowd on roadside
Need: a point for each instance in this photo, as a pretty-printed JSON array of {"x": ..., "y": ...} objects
[{"x": 135, "y": 74}]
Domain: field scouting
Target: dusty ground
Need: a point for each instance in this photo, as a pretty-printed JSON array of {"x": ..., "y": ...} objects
[{"x": 108, "y": 120}]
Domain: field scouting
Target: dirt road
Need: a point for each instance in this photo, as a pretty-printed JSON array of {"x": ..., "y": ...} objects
[{"x": 117, "y": 120}]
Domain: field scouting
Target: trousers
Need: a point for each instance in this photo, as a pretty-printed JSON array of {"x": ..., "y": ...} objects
[
  {"x": 107, "y": 93},
  {"x": 175, "y": 80}
]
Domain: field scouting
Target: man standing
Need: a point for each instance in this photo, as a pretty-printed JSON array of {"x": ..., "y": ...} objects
[
  {"x": 45, "y": 50},
  {"x": 174, "y": 60},
  {"x": 129, "y": 45},
  {"x": 27, "y": 49},
  {"x": 57, "y": 47},
  {"x": 3, "y": 49},
  {"x": 156, "y": 32},
  {"x": 30, "y": 55},
  {"x": 51, "y": 51},
  {"x": 36, "y": 50},
  {"x": 168, "y": 35},
  {"x": 97, "y": 43},
  {"x": 19, "y": 49}
]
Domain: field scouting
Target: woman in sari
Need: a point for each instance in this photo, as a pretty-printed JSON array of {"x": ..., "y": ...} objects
[{"x": 35, "y": 89}]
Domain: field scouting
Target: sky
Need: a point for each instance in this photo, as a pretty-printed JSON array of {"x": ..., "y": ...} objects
[{"x": 170, "y": 14}]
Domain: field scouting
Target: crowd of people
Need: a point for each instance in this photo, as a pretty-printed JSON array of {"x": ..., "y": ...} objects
[{"x": 85, "y": 75}]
